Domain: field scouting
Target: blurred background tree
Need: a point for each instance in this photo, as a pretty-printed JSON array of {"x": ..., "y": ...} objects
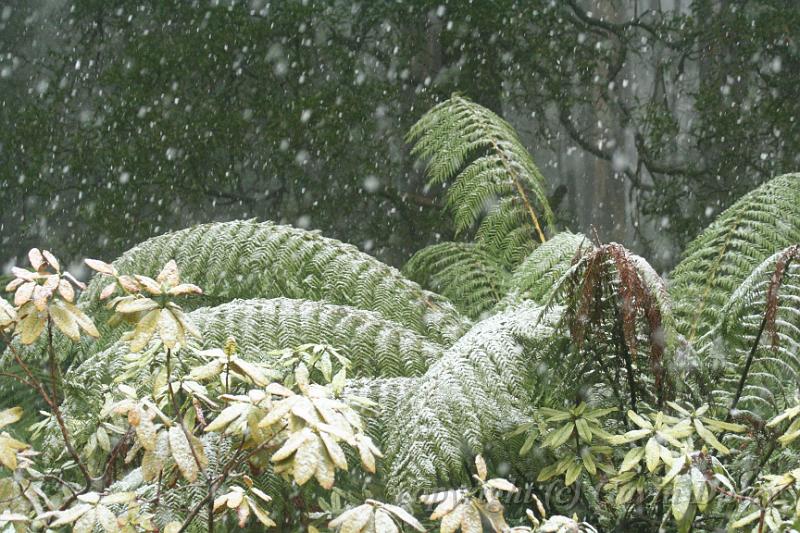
[{"x": 126, "y": 119}]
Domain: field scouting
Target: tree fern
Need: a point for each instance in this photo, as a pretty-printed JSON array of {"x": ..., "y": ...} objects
[
  {"x": 752, "y": 357},
  {"x": 535, "y": 277},
  {"x": 742, "y": 237},
  {"x": 494, "y": 180},
  {"x": 246, "y": 259},
  {"x": 464, "y": 273}
]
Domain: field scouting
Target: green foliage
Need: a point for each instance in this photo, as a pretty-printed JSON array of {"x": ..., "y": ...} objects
[
  {"x": 537, "y": 275},
  {"x": 246, "y": 259},
  {"x": 261, "y": 393},
  {"x": 762, "y": 222},
  {"x": 494, "y": 180},
  {"x": 464, "y": 273},
  {"x": 751, "y": 356}
]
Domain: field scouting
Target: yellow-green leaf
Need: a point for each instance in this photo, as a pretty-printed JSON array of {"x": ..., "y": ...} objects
[
  {"x": 639, "y": 421},
  {"x": 31, "y": 327},
  {"x": 9, "y": 416},
  {"x": 681, "y": 496},
  {"x": 631, "y": 459},
  {"x": 709, "y": 438},
  {"x": 64, "y": 321},
  {"x": 652, "y": 452},
  {"x": 144, "y": 330}
]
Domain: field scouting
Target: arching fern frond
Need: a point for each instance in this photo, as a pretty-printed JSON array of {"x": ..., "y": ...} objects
[
  {"x": 762, "y": 222},
  {"x": 537, "y": 275},
  {"x": 476, "y": 392},
  {"x": 464, "y": 273},
  {"x": 376, "y": 347},
  {"x": 494, "y": 179},
  {"x": 752, "y": 357},
  {"x": 247, "y": 259}
]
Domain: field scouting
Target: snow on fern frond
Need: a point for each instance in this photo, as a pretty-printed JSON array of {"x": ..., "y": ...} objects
[
  {"x": 476, "y": 392},
  {"x": 535, "y": 277},
  {"x": 247, "y": 259}
]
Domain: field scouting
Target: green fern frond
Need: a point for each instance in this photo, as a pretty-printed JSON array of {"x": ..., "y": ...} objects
[
  {"x": 490, "y": 170},
  {"x": 464, "y": 273},
  {"x": 762, "y": 222},
  {"x": 247, "y": 259},
  {"x": 536, "y": 276},
  {"x": 753, "y": 355}
]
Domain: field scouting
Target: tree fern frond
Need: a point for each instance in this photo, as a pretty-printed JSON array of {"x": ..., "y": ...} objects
[
  {"x": 476, "y": 392},
  {"x": 491, "y": 171},
  {"x": 246, "y": 259},
  {"x": 753, "y": 355},
  {"x": 506, "y": 231},
  {"x": 762, "y": 222},
  {"x": 464, "y": 273},
  {"x": 538, "y": 273}
]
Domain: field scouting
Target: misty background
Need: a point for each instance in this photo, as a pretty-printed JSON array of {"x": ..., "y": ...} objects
[{"x": 122, "y": 120}]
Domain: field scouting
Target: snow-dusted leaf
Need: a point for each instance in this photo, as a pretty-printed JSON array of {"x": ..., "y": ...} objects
[
  {"x": 181, "y": 451},
  {"x": 404, "y": 515},
  {"x": 353, "y": 520},
  {"x": 135, "y": 305},
  {"x": 9, "y": 416},
  {"x": 100, "y": 266}
]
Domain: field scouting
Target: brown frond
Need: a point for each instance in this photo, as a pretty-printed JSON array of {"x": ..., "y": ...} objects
[
  {"x": 792, "y": 253},
  {"x": 607, "y": 291}
]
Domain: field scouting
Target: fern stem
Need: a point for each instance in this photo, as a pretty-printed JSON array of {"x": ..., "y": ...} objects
[
  {"x": 529, "y": 208},
  {"x": 515, "y": 178},
  {"x": 746, "y": 369}
]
